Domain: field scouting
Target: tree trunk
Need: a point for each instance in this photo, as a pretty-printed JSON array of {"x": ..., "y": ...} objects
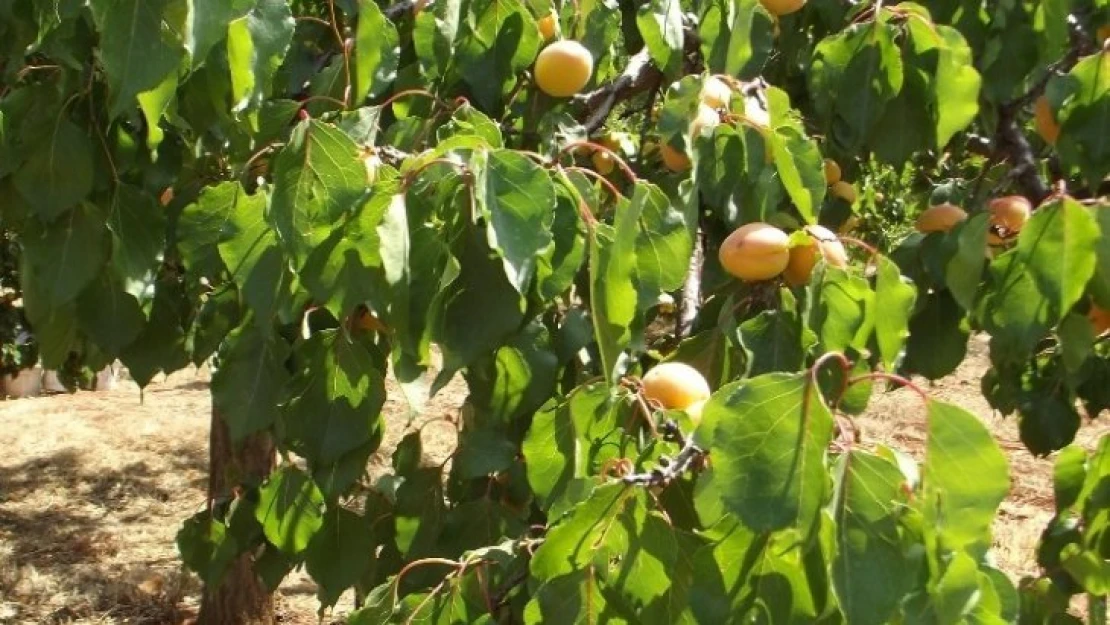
[{"x": 242, "y": 598}]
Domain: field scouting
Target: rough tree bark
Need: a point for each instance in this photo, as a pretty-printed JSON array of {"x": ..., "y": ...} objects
[{"x": 242, "y": 598}]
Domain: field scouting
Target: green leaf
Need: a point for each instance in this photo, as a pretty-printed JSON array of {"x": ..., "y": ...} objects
[
  {"x": 346, "y": 269},
  {"x": 660, "y": 24},
  {"x": 1090, "y": 570},
  {"x": 206, "y": 548},
  {"x": 249, "y": 248},
  {"x": 1068, "y": 476},
  {"x": 938, "y": 337},
  {"x": 420, "y": 513},
  {"x": 560, "y": 262},
  {"x": 108, "y": 315},
  {"x": 138, "y": 226},
  {"x": 1049, "y": 419},
  {"x": 665, "y": 241},
  {"x": 768, "y": 437},
  {"x": 377, "y": 52},
  {"x": 58, "y": 172},
  {"x": 435, "y": 36},
  {"x": 339, "y": 553},
  {"x": 66, "y": 255},
  {"x": 774, "y": 339},
  {"x": 736, "y": 37},
  {"x": 318, "y": 181},
  {"x": 290, "y": 509},
  {"x": 606, "y": 523},
  {"x": 1014, "y": 311},
  {"x": 871, "y": 573},
  {"x": 1058, "y": 246},
  {"x": 799, "y": 164},
  {"x": 250, "y": 381},
  {"x": 964, "y": 271},
  {"x": 338, "y": 394},
  {"x": 843, "y": 311},
  {"x": 209, "y": 20},
  {"x": 138, "y": 47},
  {"x": 517, "y": 199},
  {"x": 500, "y": 42},
  {"x": 161, "y": 345},
  {"x": 895, "y": 297},
  {"x": 1100, "y": 283},
  {"x": 218, "y": 315},
  {"x": 257, "y": 43},
  {"x": 958, "y": 508},
  {"x": 1085, "y": 117}
]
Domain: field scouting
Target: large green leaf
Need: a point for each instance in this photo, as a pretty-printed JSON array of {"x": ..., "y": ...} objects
[
  {"x": 895, "y": 296},
  {"x": 1058, "y": 246},
  {"x": 58, "y": 172},
  {"x": 501, "y": 41},
  {"x": 208, "y": 24},
  {"x": 938, "y": 336},
  {"x": 138, "y": 226},
  {"x": 256, "y": 46},
  {"x": 774, "y": 339},
  {"x": 871, "y": 573},
  {"x": 964, "y": 271},
  {"x": 138, "y": 46},
  {"x": 108, "y": 315},
  {"x": 768, "y": 437},
  {"x": 249, "y": 248},
  {"x": 66, "y": 255},
  {"x": 340, "y": 552},
  {"x": 338, "y": 394},
  {"x": 961, "y": 509},
  {"x": 736, "y": 37},
  {"x": 161, "y": 344},
  {"x": 377, "y": 53},
  {"x": 607, "y": 522},
  {"x": 660, "y": 24},
  {"x": 290, "y": 509},
  {"x": 517, "y": 199},
  {"x": 1014, "y": 311},
  {"x": 843, "y": 311},
  {"x": 1085, "y": 118},
  {"x": 318, "y": 181},
  {"x": 250, "y": 381}
]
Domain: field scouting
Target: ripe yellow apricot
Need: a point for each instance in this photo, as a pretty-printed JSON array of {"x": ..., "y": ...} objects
[
  {"x": 673, "y": 158},
  {"x": 844, "y": 190},
  {"x": 604, "y": 163},
  {"x": 547, "y": 25},
  {"x": 1045, "y": 121},
  {"x": 715, "y": 93},
  {"x": 563, "y": 68},
  {"x": 675, "y": 385},
  {"x": 1100, "y": 319},
  {"x": 755, "y": 251},
  {"x": 782, "y": 7},
  {"x": 940, "y": 218},
  {"x": 832, "y": 172},
  {"x": 1008, "y": 215},
  {"x": 803, "y": 258}
]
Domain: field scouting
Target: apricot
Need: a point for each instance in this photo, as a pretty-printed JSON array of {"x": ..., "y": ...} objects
[
  {"x": 803, "y": 258},
  {"x": 675, "y": 385},
  {"x": 755, "y": 251},
  {"x": 673, "y": 158},
  {"x": 715, "y": 93},
  {"x": 832, "y": 172},
  {"x": 1045, "y": 121},
  {"x": 1008, "y": 215},
  {"x": 844, "y": 190},
  {"x": 1100, "y": 319},
  {"x": 547, "y": 25},
  {"x": 563, "y": 68},
  {"x": 603, "y": 161},
  {"x": 1103, "y": 33},
  {"x": 782, "y": 7},
  {"x": 940, "y": 218}
]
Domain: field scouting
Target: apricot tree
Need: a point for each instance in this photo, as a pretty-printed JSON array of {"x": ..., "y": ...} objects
[{"x": 585, "y": 209}]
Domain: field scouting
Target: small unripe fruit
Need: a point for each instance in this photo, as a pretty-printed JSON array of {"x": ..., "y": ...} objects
[
  {"x": 844, "y": 190},
  {"x": 547, "y": 25},
  {"x": 832, "y": 172},
  {"x": 940, "y": 218},
  {"x": 1009, "y": 215},
  {"x": 1045, "y": 121},
  {"x": 673, "y": 158},
  {"x": 675, "y": 385},
  {"x": 715, "y": 93},
  {"x": 1100, "y": 319},
  {"x": 754, "y": 252},
  {"x": 803, "y": 258},
  {"x": 782, "y": 7},
  {"x": 563, "y": 68}
]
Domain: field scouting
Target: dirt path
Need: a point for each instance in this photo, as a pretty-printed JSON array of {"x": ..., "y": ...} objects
[{"x": 93, "y": 487}]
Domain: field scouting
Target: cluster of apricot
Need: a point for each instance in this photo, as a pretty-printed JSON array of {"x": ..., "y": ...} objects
[{"x": 758, "y": 251}]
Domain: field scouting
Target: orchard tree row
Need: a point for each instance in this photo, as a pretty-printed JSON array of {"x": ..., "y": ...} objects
[{"x": 672, "y": 248}]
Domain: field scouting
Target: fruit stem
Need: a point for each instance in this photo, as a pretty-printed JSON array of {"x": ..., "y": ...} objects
[{"x": 892, "y": 377}]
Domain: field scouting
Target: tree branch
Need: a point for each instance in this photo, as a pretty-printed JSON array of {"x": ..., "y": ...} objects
[
  {"x": 690, "y": 301},
  {"x": 395, "y": 11},
  {"x": 640, "y": 75},
  {"x": 690, "y": 458}
]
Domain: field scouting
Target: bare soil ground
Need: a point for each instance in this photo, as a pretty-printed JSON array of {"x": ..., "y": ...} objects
[{"x": 93, "y": 487}]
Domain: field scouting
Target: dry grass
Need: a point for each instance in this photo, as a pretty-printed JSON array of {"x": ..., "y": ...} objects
[{"x": 93, "y": 487}]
